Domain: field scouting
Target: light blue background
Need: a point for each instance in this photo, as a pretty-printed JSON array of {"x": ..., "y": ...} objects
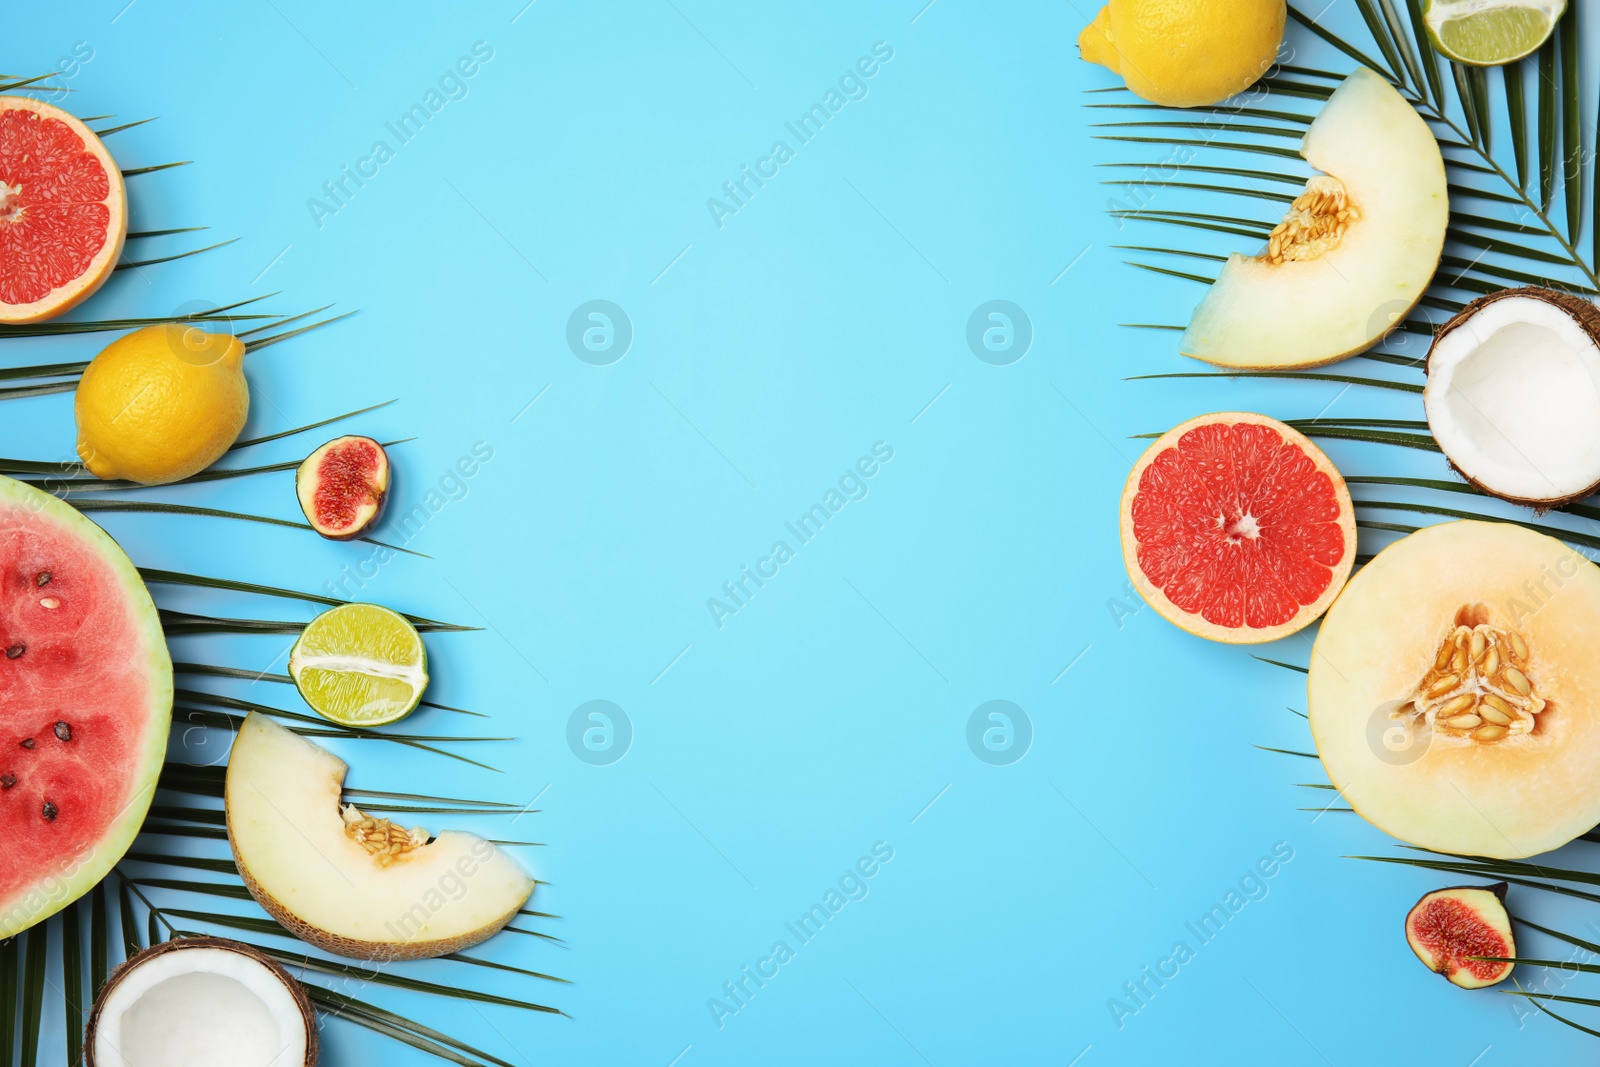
[{"x": 769, "y": 354}]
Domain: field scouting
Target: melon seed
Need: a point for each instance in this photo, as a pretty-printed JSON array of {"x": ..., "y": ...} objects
[
  {"x": 1455, "y": 704},
  {"x": 1519, "y": 647},
  {"x": 1446, "y": 650},
  {"x": 1459, "y": 661},
  {"x": 43, "y": 579},
  {"x": 1443, "y": 685},
  {"x": 1493, "y": 714},
  {"x": 27, "y": 742},
  {"x": 7, "y": 781},
  {"x": 1479, "y": 643},
  {"x": 1489, "y": 732},
  {"x": 63, "y": 731},
  {"x": 1518, "y": 681},
  {"x": 1491, "y": 662},
  {"x": 1495, "y": 701},
  {"x": 13, "y": 651},
  {"x": 50, "y": 602},
  {"x": 1463, "y": 722},
  {"x": 49, "y": 812}
]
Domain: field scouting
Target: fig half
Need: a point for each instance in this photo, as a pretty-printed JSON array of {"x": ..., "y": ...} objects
[
  {"x": 343, "y": 486},
  {"x": 1452, "y": 929}
]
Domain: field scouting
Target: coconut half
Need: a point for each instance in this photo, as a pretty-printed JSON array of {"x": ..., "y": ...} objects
[
  {"x": 1513, "y": 395},
  {"x": 200, "y": 1002}
]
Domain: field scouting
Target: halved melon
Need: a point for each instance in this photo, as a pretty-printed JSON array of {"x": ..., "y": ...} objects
[
  {"x": 347, "y": 882},
  {"x": 1352, "y": 256},
  {"x": 1454, "y": 693}
]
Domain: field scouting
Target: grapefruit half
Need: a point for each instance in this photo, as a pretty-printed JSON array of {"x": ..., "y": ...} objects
[
  {"x": 1237, "y": 528},
  {"x": 63, "y": 211}
]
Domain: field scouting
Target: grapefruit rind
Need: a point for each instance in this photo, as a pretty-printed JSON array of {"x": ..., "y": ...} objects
[
  {"x": 72, "y": 292},
  {"x": 76, "y": 874},
  {"x": 1193, "y": 622}
]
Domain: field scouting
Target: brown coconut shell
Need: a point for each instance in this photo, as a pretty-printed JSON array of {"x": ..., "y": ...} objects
[
  {"x": 355, "y": 948},
  {"x": 180, "y": 944},
  {"x": 1587, "y": 316}
]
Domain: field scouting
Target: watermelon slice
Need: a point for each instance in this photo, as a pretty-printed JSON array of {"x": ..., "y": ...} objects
[{"x": 85, "y": 704}]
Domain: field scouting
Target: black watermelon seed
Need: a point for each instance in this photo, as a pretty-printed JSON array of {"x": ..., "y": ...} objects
[
  {"x": 43, "y": 579},
  {"x": 27, "y": 742},
  {"x": 63, "y": 731},
  {"x": 49, "y": 812},
  {"x": 16, "y": 650},
  {"x": 7, "y": 781}
]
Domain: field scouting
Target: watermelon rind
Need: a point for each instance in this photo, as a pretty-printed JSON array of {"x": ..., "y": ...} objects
[{"x": 75, "y": 875}]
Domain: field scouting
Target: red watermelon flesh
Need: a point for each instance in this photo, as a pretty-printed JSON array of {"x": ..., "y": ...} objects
[{"x": 85, "y": 704}]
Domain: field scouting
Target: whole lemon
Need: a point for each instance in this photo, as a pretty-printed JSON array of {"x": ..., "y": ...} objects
[
  {"x": 1186, "y": 53},
  {"x": 161, "y": 403}
]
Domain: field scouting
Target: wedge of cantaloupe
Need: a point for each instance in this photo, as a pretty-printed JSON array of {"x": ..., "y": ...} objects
[{"x": 1353, "y": 255}]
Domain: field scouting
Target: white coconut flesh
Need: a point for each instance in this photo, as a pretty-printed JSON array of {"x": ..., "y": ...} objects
[
  {"x": 1513, "y": 399},
  {"x": 200, "y": 1007}
]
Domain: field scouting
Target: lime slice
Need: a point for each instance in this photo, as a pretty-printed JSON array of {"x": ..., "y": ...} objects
[
  {"x": 1488, "y": 33},
  {"x": 360, "y": 665}
]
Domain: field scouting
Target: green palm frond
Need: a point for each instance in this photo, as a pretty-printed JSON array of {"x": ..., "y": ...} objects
[
  {"x": 152, "y": 507},
  {"x": 1518, "y": 218},
  {"x": 56, "y": 968}
]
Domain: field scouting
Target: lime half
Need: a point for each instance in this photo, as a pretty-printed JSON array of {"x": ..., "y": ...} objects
[
  {"x": 1488, "y": 33},
  {"x": 360, "y": 665}
]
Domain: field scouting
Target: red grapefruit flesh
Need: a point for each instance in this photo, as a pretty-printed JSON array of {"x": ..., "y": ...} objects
[
  {"x": 343, "y": 486},
  {"x": 1237, "y": 528},
  {"x": 63, "y": 211},
  {"x": 85, "y": 704},
  {"x": 1450, "y": 929}
]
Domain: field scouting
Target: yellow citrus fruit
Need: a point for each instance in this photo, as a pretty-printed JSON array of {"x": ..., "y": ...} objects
[
  {"x": 161, "y": 403},
  {"x": 1186, "y": 53}
]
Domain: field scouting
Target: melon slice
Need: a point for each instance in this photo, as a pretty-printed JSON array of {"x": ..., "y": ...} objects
[
  {"x": 1353, "y": 255},
  {"x": 1237, "y": 528},
  {"x": 85, "y": 704},
  {"x": 344, "y": 881},
  {"x": 1454, "y": 692}
]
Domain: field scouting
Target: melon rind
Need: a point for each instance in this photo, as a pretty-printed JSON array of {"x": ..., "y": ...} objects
[
  {"x": 282, "y": 797},
  {"x": 57, "y": 889},
  {"x": 1520, "y": 797},
  {"x": 1259, "y": 315}
]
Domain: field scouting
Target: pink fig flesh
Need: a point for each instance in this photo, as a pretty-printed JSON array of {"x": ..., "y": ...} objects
[
  {"x": 1451, "y": 929},
  {"x": 343, "y": 486}
]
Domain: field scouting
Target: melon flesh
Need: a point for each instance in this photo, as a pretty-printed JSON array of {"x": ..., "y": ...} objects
[
  {"x": 300, "y": 858},
  {"x": 85, "y": 704},
  {"x": 1530, "y": 787},
  {"x": 1302, "y": 312}
]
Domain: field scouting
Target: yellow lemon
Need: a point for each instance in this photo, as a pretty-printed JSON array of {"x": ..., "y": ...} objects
[
  {"x": 161, "y": 403},
  {"x": 1186, "y": 53}
]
